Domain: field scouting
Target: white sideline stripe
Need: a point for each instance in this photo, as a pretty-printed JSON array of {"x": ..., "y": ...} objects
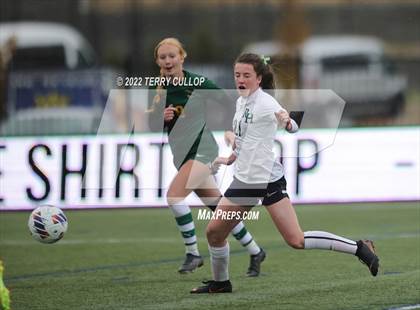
[{"x": 410, "y": 307}]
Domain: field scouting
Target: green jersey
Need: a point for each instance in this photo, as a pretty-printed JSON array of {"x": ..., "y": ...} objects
[{"x": 188, "y": 135}]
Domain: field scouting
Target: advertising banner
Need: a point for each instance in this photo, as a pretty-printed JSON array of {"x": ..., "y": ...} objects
[{"x": 135, "y": 171}]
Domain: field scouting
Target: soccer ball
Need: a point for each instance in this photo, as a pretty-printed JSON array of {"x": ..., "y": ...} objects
[{"x": 47, "y": 224}]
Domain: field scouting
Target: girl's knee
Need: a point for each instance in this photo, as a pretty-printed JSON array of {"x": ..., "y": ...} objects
[
  {"x": 171, "y": 200},
  {"x": 296, "y": 242},
  {"x": 173, "y": 197},
  {"x": 213, "y": 236}
]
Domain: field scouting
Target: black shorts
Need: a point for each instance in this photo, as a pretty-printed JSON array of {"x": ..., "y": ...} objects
[{"x": 249, "y": 195}]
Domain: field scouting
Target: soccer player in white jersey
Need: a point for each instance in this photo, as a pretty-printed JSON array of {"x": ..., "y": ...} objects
[{"x": 259, "y": 176}]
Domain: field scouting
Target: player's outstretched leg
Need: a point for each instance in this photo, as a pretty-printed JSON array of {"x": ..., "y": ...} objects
[
  {"x": 284, "y": 217},
  {"x": 185, "y": 223},
  {"x": 363, "y": 249}
]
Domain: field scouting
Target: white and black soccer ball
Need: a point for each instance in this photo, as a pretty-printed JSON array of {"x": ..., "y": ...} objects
[{"x": 47, "y": 224}]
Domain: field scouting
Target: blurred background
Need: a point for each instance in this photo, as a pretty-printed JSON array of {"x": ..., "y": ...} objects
[{"x": 60, "y": 59}]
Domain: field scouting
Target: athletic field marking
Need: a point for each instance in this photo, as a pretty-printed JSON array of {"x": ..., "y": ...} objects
[{"x": 409, "y": 307}]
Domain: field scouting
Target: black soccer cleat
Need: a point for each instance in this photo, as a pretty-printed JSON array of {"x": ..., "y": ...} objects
[
  {"x": 191, "y": 263},
  {"x": 255, "y": 264},
  {"x": 213, "y": 287},
  {"x": 366, "y": 254}
]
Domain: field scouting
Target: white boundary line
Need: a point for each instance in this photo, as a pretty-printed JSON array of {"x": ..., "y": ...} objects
[{"x": 409, "y": 307}]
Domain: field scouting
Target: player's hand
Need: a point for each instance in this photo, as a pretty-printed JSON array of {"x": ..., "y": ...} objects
[
  {"x": 283, "y": 118},
  {"x": 169, "y": 113},
  {"x": 215, "y": 165},
  {"x": 221, "y": 161}
]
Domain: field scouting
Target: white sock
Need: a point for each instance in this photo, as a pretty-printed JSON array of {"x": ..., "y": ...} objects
[
  {"x": 328, "y": 241},
  {"x": 253, "y": 248},
  {"x": 186, "y": 226},
  {"x": 192, "y": 249},
  {"x": 219, "y": 258},
  {"x": 244, "y": 237}
]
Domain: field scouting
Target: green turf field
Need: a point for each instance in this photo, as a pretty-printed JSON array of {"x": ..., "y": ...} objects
[{"x": 128, "y": 259}]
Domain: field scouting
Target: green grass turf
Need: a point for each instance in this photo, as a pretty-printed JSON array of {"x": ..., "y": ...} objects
[{"x": 128, "y": 259}]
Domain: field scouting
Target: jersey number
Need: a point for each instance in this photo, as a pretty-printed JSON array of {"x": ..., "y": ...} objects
[{"x": 237, "y": 128}]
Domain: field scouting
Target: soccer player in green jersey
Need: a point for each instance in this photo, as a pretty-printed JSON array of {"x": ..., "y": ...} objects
[{"x": 178, "y": 108}]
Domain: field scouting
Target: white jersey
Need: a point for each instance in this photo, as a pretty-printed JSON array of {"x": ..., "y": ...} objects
[{"x": 255, "y": 127}]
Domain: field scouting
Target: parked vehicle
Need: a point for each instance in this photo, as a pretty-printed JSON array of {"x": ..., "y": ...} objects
[
  {"x": 53, "y": 80},
  {"x": 354, "y": 67},
  {"x": 45, "y": 45}
]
